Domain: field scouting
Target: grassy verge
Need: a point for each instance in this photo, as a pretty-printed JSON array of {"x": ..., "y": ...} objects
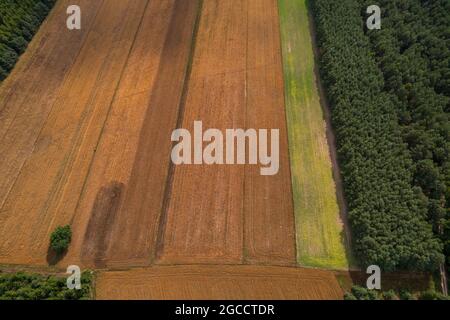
[{"x": 320, "y": 231}]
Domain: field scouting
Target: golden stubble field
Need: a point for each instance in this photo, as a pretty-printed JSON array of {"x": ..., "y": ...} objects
[{"x": 85, "y": 125}]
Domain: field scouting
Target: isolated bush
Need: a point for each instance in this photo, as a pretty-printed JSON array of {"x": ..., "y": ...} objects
[{"x": 60, "y": 239}]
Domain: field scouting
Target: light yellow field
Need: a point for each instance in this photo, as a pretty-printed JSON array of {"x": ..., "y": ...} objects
[{"x": 319, "y": 227}]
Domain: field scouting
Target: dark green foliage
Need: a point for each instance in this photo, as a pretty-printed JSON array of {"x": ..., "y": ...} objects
[
  {"x": 60, "y": 239},
  {"x": 25, "y": 286},
  {"x": 361, "y": 293},
  {"x": 390, "y": 295},
  {"x": 413, "y": 52},
  {"x": 432, "y": 295},
  {"x": 19, "y": 21},
  {"x": 387, "y": 213},
  {"x": 406, "y": 295}
]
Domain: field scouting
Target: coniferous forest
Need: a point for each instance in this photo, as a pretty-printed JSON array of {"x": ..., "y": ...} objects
[
  {"x": 19, "y": 21},
  {"x": 389, "y": 97}
]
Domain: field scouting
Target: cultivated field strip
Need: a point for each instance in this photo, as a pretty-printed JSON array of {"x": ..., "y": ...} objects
[
  {"x": 269, "y": 232},
  {"x": 118, "y": 215},
  {"x": 27, "y": 99},
  {"x": 218, "y": 282},
  {"x": 204, "y": 216},
  {"x": 85, "y": 123},
  {"x": 70, "y": 132},
  {"x": 232, "y": 214},
  {"x": 29, "y": 93},
  {"x": 320, "y": 229}
]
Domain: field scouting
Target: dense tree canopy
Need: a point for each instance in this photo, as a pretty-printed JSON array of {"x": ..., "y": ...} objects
[
  {"x": 26, "y": 286},
  {"x": 19, "y": 21},
  {"x": 388, "y": 208},
  {"x": 60, "y": 239},
  {"x": 412, "y": 50}
]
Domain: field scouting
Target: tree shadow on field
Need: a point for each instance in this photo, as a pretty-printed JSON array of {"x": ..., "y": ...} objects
[{"x": 53, "y": 257}]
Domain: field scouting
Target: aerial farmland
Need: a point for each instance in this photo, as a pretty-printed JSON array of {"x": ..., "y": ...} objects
[{"x": 212, "y": 149}]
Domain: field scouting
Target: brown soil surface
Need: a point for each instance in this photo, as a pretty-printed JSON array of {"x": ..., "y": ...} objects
[
  {"x": 134, "y": 150},
  {"x": 85, "y": 125},
  {"x": 232, "y": 214},
  {"x": 268, "y": 207},
  {"x": 218, "y": 282},
  {"x": 86, "y": 121},
  {"x": 73, "y": 151}
]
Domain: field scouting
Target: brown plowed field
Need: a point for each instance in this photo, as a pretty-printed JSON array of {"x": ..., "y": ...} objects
[
  {"x": 232, "y": 214},
  {"x": 218, "y": 283},
  {"x": 118, "y": 215},
  {"x": 46, "y": 137},
  {"x": 117, "y": 76},
  {"x": 269, "y": 217},
  {"x": 85, "y": 125},
  {"x": 29, "y": 94},
  {"x": 86, "y": 120}
]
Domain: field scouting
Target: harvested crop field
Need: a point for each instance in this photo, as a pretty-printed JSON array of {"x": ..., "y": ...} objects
[
  {"x": 218, "y": 283},
  {"x": 86, "y": 119},
  {"x": 232, "y": 214},
  {"x": 45, "y": 122},
  {"x": 96, "y": 152}
]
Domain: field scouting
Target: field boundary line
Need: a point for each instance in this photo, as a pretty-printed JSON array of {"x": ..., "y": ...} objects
[{"x": 181, "y": 108}]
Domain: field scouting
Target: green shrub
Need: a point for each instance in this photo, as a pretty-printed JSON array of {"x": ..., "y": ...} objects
[
  {"x": 432, "y": 295},
  {"x": 60, "y": 239},
  {"x": 390, "y": 295},
  {"x": 361, "y": 293},
  {"x": 406, "y": 295}
]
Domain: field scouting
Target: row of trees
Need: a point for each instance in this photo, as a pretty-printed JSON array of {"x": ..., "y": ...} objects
[
  {"x": 388, "y": 219},
  {"x": 412, "y": 50},
  {"x": 361, "y": 293},
  {"x": 19, "y": 21},
  {"x": 26, "y": 286}
]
